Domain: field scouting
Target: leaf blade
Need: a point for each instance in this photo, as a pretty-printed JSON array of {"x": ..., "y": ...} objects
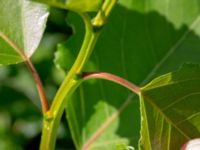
[
  {"x": 23, "y": 24},
  {"x": 138, "y": 48},
  {"x": 176, "y": 107}
]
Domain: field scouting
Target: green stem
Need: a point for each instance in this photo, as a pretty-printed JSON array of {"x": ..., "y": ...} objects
[
  {"x": 103, "y": 14},
  {"x": 53, "y": 116}
]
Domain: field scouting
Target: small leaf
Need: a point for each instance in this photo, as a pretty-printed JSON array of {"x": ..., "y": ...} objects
[
  {"x": 175, "y": 96},
  {"x": 23, "y": 22},
  {"x": 76, "y": 5}
]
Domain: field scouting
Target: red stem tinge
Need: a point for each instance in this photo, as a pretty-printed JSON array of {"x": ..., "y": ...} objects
[
  {"x": 107, "y": 76},
  {"x": 42, "y": 94}
]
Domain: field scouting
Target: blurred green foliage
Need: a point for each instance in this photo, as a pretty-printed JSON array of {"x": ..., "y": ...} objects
[{"x": 20, "y": 113}]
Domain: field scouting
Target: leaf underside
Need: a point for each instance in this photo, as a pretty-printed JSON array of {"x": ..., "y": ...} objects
[
  {"x": 23, "y": 23},
  {"x": 141, "y": 40}
]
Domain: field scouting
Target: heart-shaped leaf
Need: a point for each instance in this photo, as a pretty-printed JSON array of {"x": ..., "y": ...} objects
[{"x": 23, "y": 23}]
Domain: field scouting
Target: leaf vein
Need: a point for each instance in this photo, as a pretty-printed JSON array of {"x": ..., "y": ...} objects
[
  {"x": 8, "y": 55},
  {"x": 172, "y": 49},
  {"x": 188, "y": 118},
  {"x": 179, "y": 100}
]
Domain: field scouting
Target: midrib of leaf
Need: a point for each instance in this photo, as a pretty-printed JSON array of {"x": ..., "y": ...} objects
[
  {"x": 178, "y": 100},
  {"x": 13, "y": 45},
  {"x": 170, "y": 128},
  {"x": 188, "y": 118},
  {"x": 144, "y": 118},
  {"x": 20, "y": 4}
]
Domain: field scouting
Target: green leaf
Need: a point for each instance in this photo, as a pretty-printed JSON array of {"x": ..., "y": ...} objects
[
  {"x": 76, "y": 5},
  {"x": 67, "y": 51},
  {"x": 141, "y": 40},
  {"x": 175, "y": 99},
  {"x": 60, "y": 58},
  {"x": 23, "y": 23}
]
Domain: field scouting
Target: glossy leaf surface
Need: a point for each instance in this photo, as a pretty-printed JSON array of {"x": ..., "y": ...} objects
[{"x": 23, "y": 23}]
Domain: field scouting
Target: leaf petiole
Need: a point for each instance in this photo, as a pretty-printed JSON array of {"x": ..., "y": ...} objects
[
  {"x": 107, "y": 76},
  {"x": 42, "y": 94}
]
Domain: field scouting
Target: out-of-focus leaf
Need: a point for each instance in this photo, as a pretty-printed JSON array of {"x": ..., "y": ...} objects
[
  {"x": 66, "y": 52},
  {"x": 64, "y": 58},
  {"x": 175, "y": 97},
  {"x": 76, "y": 5},
  {"x": 47, "y": 47},
  {"x": 23, "y": 22},
  {"x": 141, "y": 40}
]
